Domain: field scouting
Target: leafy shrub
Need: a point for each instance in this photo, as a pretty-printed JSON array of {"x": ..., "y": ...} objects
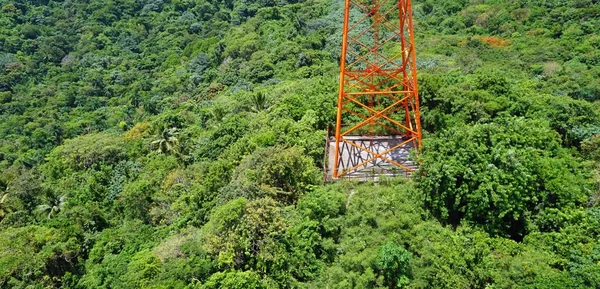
[
  {"x": 88, "y": 151},
  {"x": 499, "y": 175}
]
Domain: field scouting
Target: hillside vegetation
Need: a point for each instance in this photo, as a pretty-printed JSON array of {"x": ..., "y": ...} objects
[{"x": 180, "y": 144}]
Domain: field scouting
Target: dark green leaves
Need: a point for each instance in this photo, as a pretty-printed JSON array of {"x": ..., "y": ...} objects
[{"x": 499, "y": 175}]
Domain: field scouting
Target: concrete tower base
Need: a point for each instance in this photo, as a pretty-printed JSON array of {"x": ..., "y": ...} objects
[{"x": 363, "y": 163}]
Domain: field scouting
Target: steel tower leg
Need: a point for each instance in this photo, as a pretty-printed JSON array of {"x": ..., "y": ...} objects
[{"x": 378, "y": 115}]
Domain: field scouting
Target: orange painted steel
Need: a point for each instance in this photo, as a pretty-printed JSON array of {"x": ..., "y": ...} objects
[{"x": 378, "y": 89}]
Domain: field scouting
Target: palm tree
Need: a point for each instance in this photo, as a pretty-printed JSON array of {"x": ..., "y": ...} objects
[
  {"x": 4, "y": 208},
  {"x": 167, "y": 141},
  {"x": 54, "y": 205},
  {"x": 259, "y": 102}
]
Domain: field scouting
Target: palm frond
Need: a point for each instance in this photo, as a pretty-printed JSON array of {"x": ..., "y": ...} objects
[{"x": 4, "y": 197}]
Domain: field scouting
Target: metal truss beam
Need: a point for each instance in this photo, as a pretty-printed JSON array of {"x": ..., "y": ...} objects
[{"x": 378, "y": 89}]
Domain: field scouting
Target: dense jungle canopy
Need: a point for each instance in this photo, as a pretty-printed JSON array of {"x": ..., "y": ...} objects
[{"x": 180, "y": 144}]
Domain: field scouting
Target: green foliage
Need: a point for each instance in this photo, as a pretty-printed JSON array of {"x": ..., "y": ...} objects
[
  {"x": 394, "y": 262},
  {"x": 143, "y": 267},
  {"x": 288, "y": 171},
  {"x": 591, "y": 148},
  {"x": 36, "y": 255},
  {"x": 233, "y": 280},
  {"x": 179, "y": 144},
  {"x": 243, "y": 233},
  {"x": 113, "y": 249},
  {"x": 167, "y": 142},
  {"x": 499, "y": 175},
  {"x": 85, "y": 152},
  {"x": 54, "y": 204}
]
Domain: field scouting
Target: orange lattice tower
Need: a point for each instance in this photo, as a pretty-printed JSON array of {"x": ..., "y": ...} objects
[{"x": 378, "y": 118}]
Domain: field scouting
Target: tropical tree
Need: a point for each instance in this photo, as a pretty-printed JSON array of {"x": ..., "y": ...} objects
[
  {"x": 497, "y": 174},
  {"x": 167, "y": 142},
  {"x": 54, "y": 204},
  {"x": 394, "y": 263},
  {"x": 260, "y": 102},
  {"x": 591, "y": 150},
  {"x": 4, "y": 207}
]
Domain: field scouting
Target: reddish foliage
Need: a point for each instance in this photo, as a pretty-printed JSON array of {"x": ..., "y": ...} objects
[{"x": 495, "y": 41}]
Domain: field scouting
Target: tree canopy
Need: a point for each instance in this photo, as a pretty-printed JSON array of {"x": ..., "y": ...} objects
[{"x": 180, "y": 144}]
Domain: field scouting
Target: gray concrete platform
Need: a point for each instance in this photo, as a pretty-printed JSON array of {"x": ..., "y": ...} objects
[{"x": 376, "y": 167}]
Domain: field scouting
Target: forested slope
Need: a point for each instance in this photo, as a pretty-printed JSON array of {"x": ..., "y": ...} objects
[{"x": 180, "y": 144}]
